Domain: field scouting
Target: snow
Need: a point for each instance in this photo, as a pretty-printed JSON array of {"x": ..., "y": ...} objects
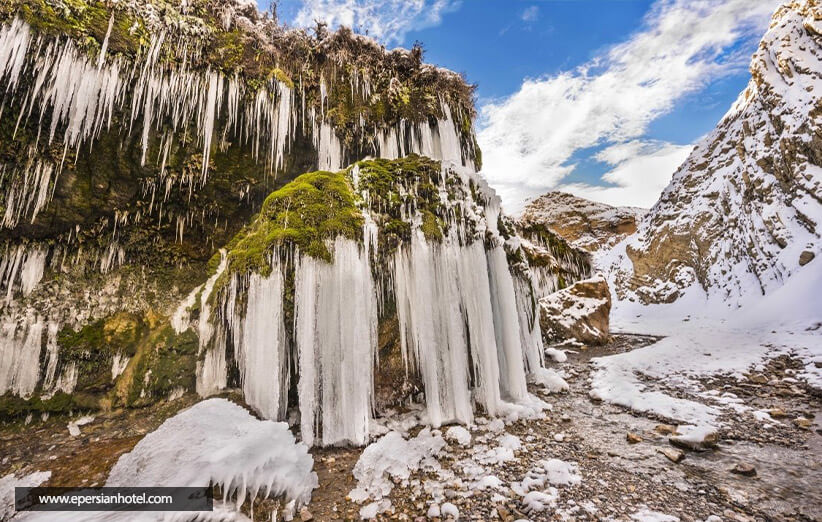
[
  {"x": 392, "y": 459},
  {"x": 11, "y": 481},
  {"x": 74, "y": 426},
  {"x": 450, "y": 510},
  {"x": 560, "y": 473},
  {"x": 216, "y": 441},
  {"x": 550, "y": 380},
  {"x": 706, "y": 338},
  {"x": 538, "y": 501},
  {"x": 646, "y": 515},
  {"x": 556, "y": 355},
  {"x": 694, "y": 436},
  {"x": 459, "y": 435}
]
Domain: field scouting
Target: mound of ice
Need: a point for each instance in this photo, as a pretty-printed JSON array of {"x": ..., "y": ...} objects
[{"x": 218, "y": 442}]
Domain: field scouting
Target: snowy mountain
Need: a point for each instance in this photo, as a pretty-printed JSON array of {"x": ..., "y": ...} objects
[
  {"x": 586, "y": 224},
  {"x": 743, "y": 213}
]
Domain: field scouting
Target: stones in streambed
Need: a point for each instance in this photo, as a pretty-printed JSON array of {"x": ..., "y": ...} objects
[
  {"x": 745, "y": 469},
  {"x": 665, "y": 429},
  {"x": 633, "y": 438},
  {"x": 803, "y": 423},
  {"x": 674, "y": 455}
]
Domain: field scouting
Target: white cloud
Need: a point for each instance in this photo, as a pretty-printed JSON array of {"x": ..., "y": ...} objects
[
  {"x": 641, "y": 170},
  {"x": 385, "y": 20},
  {"x": 531, "y": 14},
  {"x": 529, "y": 138}
]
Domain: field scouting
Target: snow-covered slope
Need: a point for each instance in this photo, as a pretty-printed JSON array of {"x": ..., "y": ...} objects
[
  {"x": 585, "y": 224},
  {"x": 743, "y": 213}
]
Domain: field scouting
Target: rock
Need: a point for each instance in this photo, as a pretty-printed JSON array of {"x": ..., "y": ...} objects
[
  {"x": 806, "y": 257},
  {"x": 504, "y": 513},
  {"x": 665, "y": 429},
  {"x": 802, "y": 423},
  {"x": 305, "y": 515},
  {"x": 585, "y": 224},
  {"x": 633, "y": 438},
  {"x": 743, "y": 468},
  {"x": 777, "y": 413},
  {"x": 433, "y": 511},
  {"x": 578, "y": 312},
  {"x": 696, "y": 438},
  {"x": 758, "y": 378},
  {"x": 674, "y": 455}
]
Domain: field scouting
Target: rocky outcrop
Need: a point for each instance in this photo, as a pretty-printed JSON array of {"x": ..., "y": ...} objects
[
  {"x": 583, "y": 223},
  {"x": 744, "y": 211},
  {"x": 579, "y": 312}
]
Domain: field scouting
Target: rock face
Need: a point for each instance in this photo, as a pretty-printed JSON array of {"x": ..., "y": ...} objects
[
  {"x": 579, "y": 312},
  {"x": 583, "y": 223},
  {"x": 744, "y": 211}
]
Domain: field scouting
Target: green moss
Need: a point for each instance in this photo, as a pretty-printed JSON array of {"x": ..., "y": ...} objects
[
  {"x": 93, "y": 347},
  {"x": 166, "y": 362},
  {"x": 307, "y": 212},
  {"x": 431, "y": 228},
  {"x": 281, "y": 76}
]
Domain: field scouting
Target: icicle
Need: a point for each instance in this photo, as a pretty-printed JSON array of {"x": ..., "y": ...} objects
[
  {"x": 262, "y": 354},
  {"x": 20, "y": 346},
  {"x": 506, "y": 325},
  {"x": 432, "y": 328},
  {"x": 336, "y": 335},
  {"x": 211, "y": 370}
]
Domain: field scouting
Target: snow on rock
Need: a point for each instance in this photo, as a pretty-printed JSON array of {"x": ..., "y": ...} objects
[
  {"x": 538, "y": 501},
  {"x": 695, "y": 437},
  {"x": 550, "y": 380},
  {"x": 392, "y": 459},
  {"x": 450, "y": 510},
  {"x": 459, "y": 435},
  {"x": 11, "y": 481},
  {"x": 74, "y": 426},
  {"x": 556, "y": 355},
  {"x": 585, "y": 224},
  {"x": 218, "y": 442},
  {"x": 579, "y": 312}
]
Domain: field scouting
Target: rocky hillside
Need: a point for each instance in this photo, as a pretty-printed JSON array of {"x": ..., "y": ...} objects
[
  {"x": 744, "y": 211},
  {"x": 586, "y": 224}
]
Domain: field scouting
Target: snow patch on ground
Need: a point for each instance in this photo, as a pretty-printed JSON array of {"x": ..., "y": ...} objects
[
  {"x": 11, "y": 481},
  {"x": 391, "y": 460},
  {"x": 705, "y": 338}
]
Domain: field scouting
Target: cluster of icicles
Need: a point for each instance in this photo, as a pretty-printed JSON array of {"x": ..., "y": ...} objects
[
  {"x": 26, "y": 330},
  {"x": 466, "y": 323},
  {"x": 83, "y": 96}
]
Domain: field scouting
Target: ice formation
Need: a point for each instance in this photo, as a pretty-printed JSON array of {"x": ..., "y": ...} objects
[
  {"x": 336, "y": 336},
  {"x": 466, "y": 325},
  {"x": 217, "y": 442}
]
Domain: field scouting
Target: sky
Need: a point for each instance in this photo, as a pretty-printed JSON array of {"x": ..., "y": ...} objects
[{"x": 600, "y": 98}]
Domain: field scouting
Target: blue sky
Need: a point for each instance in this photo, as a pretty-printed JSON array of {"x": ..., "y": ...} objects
[{"x": 602, "y": 98}]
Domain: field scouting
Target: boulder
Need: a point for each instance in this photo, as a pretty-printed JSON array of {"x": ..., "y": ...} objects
[{"x": 578, "y": 312}]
